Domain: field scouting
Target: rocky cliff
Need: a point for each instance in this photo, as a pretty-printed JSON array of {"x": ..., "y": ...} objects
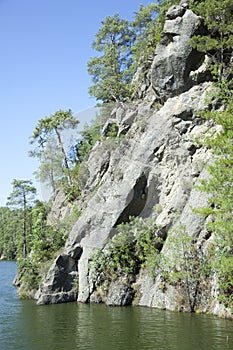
[{"x": 148, "y": 171}]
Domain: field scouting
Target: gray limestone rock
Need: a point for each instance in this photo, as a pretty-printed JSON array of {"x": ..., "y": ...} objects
[
  {"x": 175, "y": 11},
  {"x": 120, "y": 293},
  {"x": 174, "y": 58},
  {"x": 143, "y": 172},
  {"x": 57, "y": 287},
  {"x": 60, "y": 208}
]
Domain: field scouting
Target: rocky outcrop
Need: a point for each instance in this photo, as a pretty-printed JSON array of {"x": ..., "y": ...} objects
[
  {"x": 120, "y": 293},
  {"x": 150, "y": 172},
  {"x": 175, "y": 59},
  {"x": 59, "y": 282}
]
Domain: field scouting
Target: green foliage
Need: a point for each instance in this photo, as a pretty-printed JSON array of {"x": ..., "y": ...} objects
[
  {"x": 29, "y": 277},
  {"x": 217, "y": 44},
  {"x": 225, "y": 268},
  {"x": 11, "y": 224},
  {"x": 50, "y": 170},
  {"x": 219, "y": 186},
  {"x": 90, "y": 134},
  {"x": 135, "y": 245},
  {"x": 124, "y": 45},
  {"x": 43, "y": 241},
  {"x": 12, "y": 239},
  {"x": 147, "y": 25},
  {"x": 112, "y": 131},
  {"x": 218, "y": 41},
  {"x": 110, "y": 72},
  {"x": 79, "y": 154},
  {"x": 22, "y": 196},
  {"x": 184, "y": 263},
  {"x": 147, "y": 32},
  {"x": 47, "y": 130},
  {"x": 57, "y": 122}
]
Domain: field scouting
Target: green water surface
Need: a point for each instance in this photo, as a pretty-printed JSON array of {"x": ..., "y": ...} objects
[{"x": 25, "y": 326}]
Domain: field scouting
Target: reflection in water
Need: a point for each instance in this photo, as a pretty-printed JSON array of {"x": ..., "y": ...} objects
[
  {"x": 101, "y": 327},
  {"x": 25, "y": 326}
]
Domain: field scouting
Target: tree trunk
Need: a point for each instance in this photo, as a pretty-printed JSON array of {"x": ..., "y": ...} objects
[
  {"x": 24, "y": 226},
  {"x": 64, "y": 155}
]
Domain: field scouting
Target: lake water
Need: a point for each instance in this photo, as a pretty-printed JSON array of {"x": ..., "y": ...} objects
[{"x": 25, "y": 326}]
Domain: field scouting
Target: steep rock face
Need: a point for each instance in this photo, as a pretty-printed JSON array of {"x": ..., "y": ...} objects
[
  {"x": 156, "y": 167},
  {"x": 150, "y": 172}
]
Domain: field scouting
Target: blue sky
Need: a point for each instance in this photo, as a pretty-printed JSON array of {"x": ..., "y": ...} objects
[{"x": 45, "y": 46}]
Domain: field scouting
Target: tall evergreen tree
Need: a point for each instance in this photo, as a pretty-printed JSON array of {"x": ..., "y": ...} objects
[
  {"x": 22, "y": 196},
  {"x": 10, "y": 231},
  {"x": 110, "y": 71}
]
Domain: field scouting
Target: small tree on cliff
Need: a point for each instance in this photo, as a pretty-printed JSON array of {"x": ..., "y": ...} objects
[
  {"x": 123, "y": 46},
  {"x": 10, "y": 228},
  {"x": 50, "y": 169},
  {"x": 52, "y": 126},
  {"x": 22, "y": 197}
]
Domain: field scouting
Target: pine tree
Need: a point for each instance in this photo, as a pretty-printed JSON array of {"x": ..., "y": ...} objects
[
  {"x": 110, "y": 71},
  {"x": 44, "y": 133},
  {"x": 22, "y": 196}
]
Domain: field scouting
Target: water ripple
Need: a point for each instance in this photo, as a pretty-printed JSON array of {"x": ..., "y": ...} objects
[{"x": 25, "y": 326}]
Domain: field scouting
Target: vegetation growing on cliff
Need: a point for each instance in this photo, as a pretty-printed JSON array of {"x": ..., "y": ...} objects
[
  {"x": 185, "y": 264},
  {"x": 26, "y": 236},
  {"x": 50, "y": 148},
  {"x": 46, "y": 240},
  {"x": 121, "y": 47},
  {"x": 135, "y": 245},
  {"x": 217, "y": 45},
  {"x": 138, "y": 244},
  {"x": 218, "y": 41},
  {"x": 220, "y": 187}
]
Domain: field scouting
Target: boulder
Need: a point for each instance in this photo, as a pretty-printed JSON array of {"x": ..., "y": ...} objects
[
  {"x": 57, "y": 287},
  {"x": 120, "y": 293}
]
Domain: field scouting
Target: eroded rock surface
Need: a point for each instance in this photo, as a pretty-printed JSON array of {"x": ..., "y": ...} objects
[
  {"x": 175, "y": 59},
  {"x": 155, "y": 168}
]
